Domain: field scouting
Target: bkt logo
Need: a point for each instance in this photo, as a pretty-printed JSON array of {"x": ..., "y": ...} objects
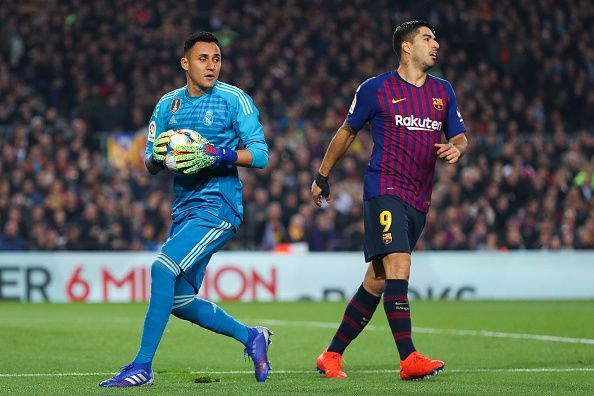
[{"x": 413, "y": 123}]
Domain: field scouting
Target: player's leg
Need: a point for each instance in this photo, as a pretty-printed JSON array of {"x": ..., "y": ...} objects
[
  {"x": 407, "y": 230},
  {"x": 164, "y": 272},
  {"x": 215, "y": 234},
  {"x": 139, "y": 372},
  {"x": 358, "y": 312},
  {"x": 363, "y": 304},
  {"x": 357, "y": 315},
  {"x": 396, "y": 305},
  {"x": 413, "y": 366},
  {"x": 202, "y": 312},
  {"x": 210, "y": 316}
]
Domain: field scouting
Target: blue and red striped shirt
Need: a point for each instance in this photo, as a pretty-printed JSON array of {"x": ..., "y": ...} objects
[{"x": 406, "y": 121}]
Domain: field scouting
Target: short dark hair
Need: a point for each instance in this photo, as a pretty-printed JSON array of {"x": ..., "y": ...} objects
[
  {"x": 205, "y": 37},
  {"x": 407, "y": 32}
]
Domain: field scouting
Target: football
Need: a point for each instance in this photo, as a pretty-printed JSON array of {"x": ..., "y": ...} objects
[{"x": 182, "y": 137}]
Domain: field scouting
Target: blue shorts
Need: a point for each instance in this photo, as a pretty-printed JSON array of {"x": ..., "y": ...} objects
[
  {"x": 391, "y": 226},
  {"x": 192, "y": 239}
]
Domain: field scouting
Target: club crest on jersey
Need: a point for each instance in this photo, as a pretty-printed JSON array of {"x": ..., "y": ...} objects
[
  {"x": 438, "y": 103},
  {"x": 387, "y": 237},
  {"x": 175, "y": 105},
  {"x": 208, "y": 118}
]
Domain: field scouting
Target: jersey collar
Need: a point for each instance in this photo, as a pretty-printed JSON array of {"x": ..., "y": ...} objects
[{"x": 403, "y": 81}]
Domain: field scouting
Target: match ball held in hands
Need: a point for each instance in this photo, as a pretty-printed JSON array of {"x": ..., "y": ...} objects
[{"x": 182, "y": 137}]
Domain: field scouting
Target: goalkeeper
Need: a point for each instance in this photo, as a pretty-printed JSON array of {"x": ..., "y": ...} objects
[{"x": 207, "y": 210}]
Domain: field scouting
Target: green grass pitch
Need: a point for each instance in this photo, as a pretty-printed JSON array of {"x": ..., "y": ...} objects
[{"x": 79, "y": 345}]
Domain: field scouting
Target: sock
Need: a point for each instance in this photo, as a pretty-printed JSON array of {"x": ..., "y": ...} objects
[
  {"x": 356, "y": 316},
  {"x": 212, "y": 317},
  {"x": 161, "y": 301},
  {"x": 398, "y": 314}
]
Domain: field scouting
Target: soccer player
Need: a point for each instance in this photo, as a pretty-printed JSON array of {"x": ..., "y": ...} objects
[
  {"x": 407, "y": 109},
  {"x": 208, "y": 205}
]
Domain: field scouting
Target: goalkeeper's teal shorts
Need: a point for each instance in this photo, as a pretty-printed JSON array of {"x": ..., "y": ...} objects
[{"x": 193, "y": 238}]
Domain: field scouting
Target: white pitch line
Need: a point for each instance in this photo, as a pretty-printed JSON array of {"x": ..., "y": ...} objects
[
  {"x": 234, "y": 372},
  {"x": 498, "y": 334},
  {"x": 53, "y": 374},
  {"x": 525, "y": 370},
  {"x": 429, "y": 330},
  {"x": 484, "y": 370}
]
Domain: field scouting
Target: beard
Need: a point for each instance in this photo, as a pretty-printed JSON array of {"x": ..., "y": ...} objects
[{"x": 425, "y": 64}]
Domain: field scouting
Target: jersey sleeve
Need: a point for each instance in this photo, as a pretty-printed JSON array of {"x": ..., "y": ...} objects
[
  {"x": 363, "y": 106},
  {"x": 250, "y": 131},
  {"x": 454, "y": 124},
  {"x": 156, "y": 127}
]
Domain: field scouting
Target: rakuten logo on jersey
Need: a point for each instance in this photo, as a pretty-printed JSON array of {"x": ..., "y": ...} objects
[{"x": 413, "y": 123}]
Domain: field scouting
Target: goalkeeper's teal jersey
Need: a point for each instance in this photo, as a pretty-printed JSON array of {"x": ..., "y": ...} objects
[{"x": 225, "y": 115}]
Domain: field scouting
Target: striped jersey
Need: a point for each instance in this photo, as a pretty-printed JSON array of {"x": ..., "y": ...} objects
[
  {"x": 405, "y": 121},
  {"x": 226, "y": 116}
]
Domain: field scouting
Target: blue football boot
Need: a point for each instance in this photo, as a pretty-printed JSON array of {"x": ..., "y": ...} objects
[
  {"x": 131, "y": 375},
  {"x": 257, "y": 350}
]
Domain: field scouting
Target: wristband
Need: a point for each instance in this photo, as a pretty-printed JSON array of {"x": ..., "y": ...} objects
[
  {"x": 222, "y": 154},
  {"x": 322, "y": 182}
]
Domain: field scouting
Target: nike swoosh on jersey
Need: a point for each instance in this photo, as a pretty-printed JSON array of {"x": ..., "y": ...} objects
[{"x": 397, "y": 100}]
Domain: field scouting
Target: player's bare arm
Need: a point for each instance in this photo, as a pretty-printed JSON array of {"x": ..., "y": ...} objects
[
  {"x": 244, "y": 158},
  {"x": 339, "y": 145},
  {"x": 452, "y": 151}
]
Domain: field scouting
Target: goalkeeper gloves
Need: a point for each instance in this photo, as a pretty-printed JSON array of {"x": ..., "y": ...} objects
[
  {"x": 221, "y": 154},
  {"x": 160, "y": 147},
  {"x": 191, "y": 159},
  {"x": 194, "y": 158}
]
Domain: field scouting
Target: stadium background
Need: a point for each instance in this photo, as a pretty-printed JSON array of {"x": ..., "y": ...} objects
[
  {"x": 76, "y": 84},
  {"x": 78, "y": 81}
]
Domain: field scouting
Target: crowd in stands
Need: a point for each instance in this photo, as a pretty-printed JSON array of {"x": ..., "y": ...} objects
[{"x": 71, "y": 72}]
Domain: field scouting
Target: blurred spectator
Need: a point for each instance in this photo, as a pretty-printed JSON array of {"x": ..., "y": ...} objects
[
  {"x": 297, "y": 231},
  {"x": 323, "y": 236},
  {"x": 274, "y": 230},
  {"x": 10, "y": 239}
]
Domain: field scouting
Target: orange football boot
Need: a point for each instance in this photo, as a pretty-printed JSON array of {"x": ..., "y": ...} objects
[
  {"x": 418, "y": 367},
  {"x": 330, "y": 364}
]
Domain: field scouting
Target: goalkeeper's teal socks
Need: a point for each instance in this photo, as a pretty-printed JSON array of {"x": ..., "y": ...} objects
[
  {"x": 162, "y": 285},
  {"x": 210, "y": 316}
]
